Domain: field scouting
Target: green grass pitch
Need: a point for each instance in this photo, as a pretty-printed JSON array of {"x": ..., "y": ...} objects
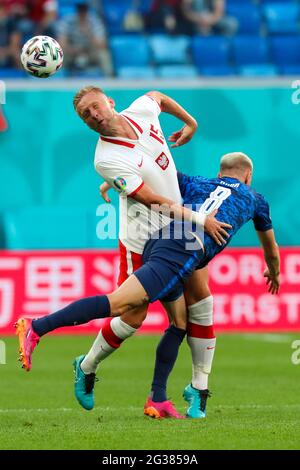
[{"x": 255, "y": 403}]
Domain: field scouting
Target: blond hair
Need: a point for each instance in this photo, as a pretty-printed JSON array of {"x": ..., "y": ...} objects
[
  {"x": 236, "y": 161},
  {"x": 81, "y": 93}
]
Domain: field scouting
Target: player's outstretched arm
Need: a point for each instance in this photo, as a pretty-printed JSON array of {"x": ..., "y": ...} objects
[
  {"x": 173, "y": 210},
  {"x": 170, "y": 106},
  {"x": 272, "y": 258}
]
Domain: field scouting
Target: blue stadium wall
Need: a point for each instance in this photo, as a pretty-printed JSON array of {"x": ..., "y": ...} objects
[{"x": 47, "y": 153}]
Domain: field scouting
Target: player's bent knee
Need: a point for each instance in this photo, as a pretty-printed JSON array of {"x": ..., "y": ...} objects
[
  {"x": 136, "y": 323},
  {"x": 117, "y": 306},
  {"x": 135, "y": 317},
  {"x": 140, "y": 320}
]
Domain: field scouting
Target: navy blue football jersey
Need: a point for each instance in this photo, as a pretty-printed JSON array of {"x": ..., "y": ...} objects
[{"x": 236, "y": 202}]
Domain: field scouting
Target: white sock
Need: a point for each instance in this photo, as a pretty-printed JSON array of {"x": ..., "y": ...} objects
[
  {"x": 201, "y": 340},
  {"x": 109, "y": 339}
]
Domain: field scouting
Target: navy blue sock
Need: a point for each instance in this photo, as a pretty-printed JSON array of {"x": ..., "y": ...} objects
[
  {"x": 76, "y": 313},
  {"x": 166, "y": 355}
]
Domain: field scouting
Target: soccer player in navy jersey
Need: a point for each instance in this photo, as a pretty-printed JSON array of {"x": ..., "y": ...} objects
[
  {"x": 175, "y": 253},
  {"x": 237, "y": 203}
]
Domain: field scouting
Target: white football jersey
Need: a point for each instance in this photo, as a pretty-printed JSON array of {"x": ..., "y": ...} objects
[{"x": 127, "y": 164}]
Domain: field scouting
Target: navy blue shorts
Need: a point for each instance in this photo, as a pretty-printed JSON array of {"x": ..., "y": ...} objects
[{"x": 167, "y": 264}]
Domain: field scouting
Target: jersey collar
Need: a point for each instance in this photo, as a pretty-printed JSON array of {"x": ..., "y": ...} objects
[
  {"x": 230, "y": 179},
  {"x": 130, "y": 143}
]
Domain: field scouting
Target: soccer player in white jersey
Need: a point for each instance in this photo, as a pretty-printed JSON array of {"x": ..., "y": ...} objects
[{"x": 133, "y": 156}]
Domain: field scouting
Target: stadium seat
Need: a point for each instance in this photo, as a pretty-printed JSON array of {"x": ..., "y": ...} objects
[
  {"x": 261, "y": 70},
  {"x": 177, "y": 71},
  {"x": 66, "y": 10},
  {"x": 282, "y": 17},
  {"x": 210, "y": 51},
  {"x": 250, "y": 50},
  {"x": 248, "y": 17},
  {"x": 114, "y": 14},
  {"x": 290, "y": 70},
  {"x": 46, "y": 227},
  {"x": 12, "y": 73},
  {"x": 285, "y": 50},
  {"x": 169, "y": 49},
  {"x": 127, "y": 3},
  {"x": 88, "y": 73},
  {"x": 278, "y": 1},
  {"x": 217, "y": 71},
  {"x": 66, "y": 7},
  {"x": 144, "y": 6},
  {"x": 136, "y": 73},
  {"x": 235, "y": 2},
  {"x": 130, "y": 51}
]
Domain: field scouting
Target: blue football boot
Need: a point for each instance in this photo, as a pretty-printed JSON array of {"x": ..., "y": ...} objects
[
  {"x": 196, "y": 400},
  {"x": 84, "y": 385}
]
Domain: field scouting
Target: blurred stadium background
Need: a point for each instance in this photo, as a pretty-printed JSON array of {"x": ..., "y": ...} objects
[
  {"x": 235, "y": 75},
  {"x": 167, "y": 38}
]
